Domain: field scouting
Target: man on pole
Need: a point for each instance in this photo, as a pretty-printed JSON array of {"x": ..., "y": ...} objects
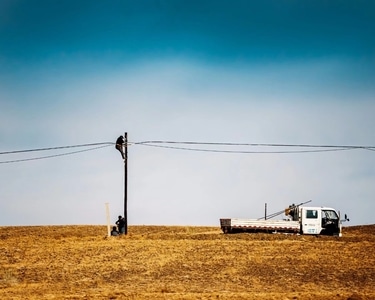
[{"x": 120, "y": 145}]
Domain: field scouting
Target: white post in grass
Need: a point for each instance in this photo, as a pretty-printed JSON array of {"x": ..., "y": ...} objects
[{"x": 108, "y": 218}]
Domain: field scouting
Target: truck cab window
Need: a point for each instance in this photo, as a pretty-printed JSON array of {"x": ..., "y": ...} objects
[
  {"x": 329, "y": 214},
  {"x": 311, "y": 214}
]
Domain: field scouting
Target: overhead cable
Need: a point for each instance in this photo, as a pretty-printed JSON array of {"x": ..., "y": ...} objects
[
  {"x": 51, "y": 156},
  {"x": 258, "y": 144},
  {"x": 244, "y": 151},
  {"x": 174, "y": 145},
  {"x": 57, "y": 148}
]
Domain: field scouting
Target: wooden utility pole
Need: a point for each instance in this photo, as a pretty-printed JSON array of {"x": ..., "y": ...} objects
[
  {"x": 265, "y": 211},
  {"x": 122, "y": 146},
  {"x": 126, "y": 182}
]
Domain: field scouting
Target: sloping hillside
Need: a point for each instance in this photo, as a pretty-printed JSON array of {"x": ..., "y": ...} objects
[{"x": 168, "y": 262}]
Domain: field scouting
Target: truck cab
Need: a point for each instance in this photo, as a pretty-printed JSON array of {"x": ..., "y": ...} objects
[{"x": 319, "y": 220}]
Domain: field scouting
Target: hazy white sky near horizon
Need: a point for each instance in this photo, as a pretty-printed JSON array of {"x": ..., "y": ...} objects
[{"x": 175, "y": 70}]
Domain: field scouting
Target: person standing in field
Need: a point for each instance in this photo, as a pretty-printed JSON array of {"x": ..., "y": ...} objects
[{"x": 121, "y": 224}]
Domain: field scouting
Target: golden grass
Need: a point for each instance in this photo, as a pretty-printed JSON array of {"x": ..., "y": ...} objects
[{"x": 170, "y": 262}]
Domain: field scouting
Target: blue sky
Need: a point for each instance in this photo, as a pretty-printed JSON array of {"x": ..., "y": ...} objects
[{"x": 287, "y": 72}]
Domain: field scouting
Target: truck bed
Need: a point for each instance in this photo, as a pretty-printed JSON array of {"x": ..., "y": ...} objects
[{"x": 249, "y": 225}]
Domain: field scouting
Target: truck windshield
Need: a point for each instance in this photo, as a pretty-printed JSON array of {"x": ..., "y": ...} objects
[{"x": 330, "y": 214}]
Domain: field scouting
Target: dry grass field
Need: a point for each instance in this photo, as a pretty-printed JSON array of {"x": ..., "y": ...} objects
[{"x": 167, "y": 262}]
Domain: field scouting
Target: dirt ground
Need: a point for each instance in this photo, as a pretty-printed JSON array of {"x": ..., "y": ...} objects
[{"x": 167, "y": 262}]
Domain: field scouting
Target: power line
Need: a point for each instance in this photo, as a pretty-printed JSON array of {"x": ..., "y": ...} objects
[
  {"x": 57, "y": 148},
  {"x": 51, "y": 156},
  {"x": 326, "y": 148},
  {"x": 167, "y": 145},
  {"x": 246, "y": 152},
  {"x": 257, "y": 144}
]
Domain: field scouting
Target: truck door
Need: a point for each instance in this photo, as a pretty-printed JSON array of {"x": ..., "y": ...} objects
[
  {"x": 330, "y": 222},
  {"x": 311, "y": 220}
]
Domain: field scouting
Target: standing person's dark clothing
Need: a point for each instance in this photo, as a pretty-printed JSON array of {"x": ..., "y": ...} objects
[{"x": 121, "y": 224}]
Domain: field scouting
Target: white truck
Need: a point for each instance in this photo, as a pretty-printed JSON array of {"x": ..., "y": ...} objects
[{"x": 303, "y": 220}]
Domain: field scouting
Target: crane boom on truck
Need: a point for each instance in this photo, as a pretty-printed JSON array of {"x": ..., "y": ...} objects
[{"x": 303, "y": 220}]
